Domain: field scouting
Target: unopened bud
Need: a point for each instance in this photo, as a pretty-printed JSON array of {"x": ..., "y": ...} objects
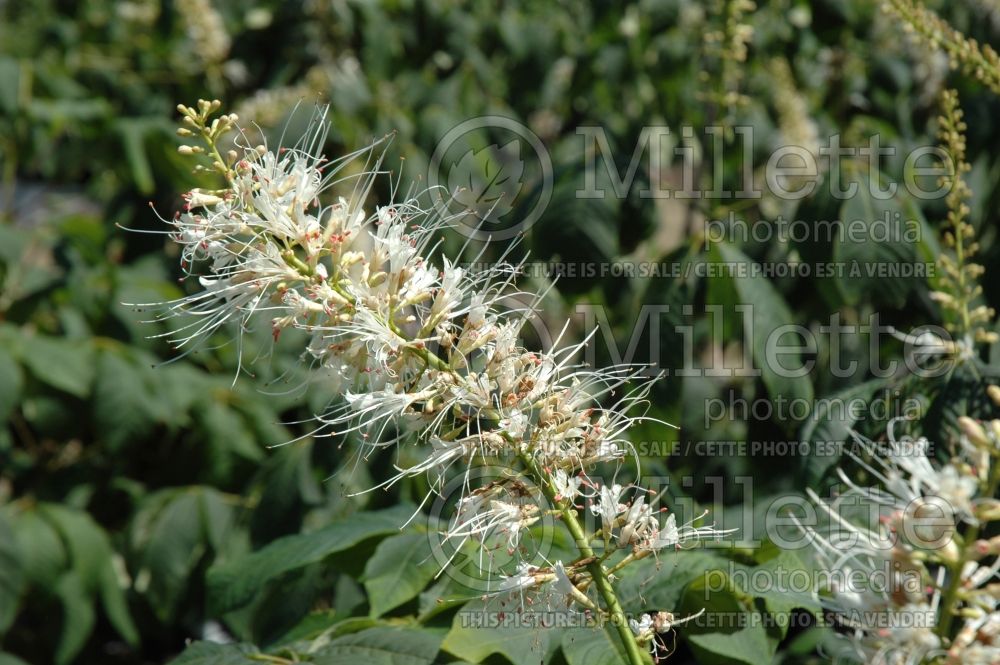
[
  {"x": 185, "y": 149},
  {"x": 994, "y": 393},
  {"x": 988, "y": 510},
  {"x": 973, "y": 431},
  {"x": 197, "y": 198},
  {"x": 989, "y": 547}
]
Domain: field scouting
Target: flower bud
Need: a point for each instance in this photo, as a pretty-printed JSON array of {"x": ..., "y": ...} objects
[
  {"x": 988, "y": 510},
  {"x": 973, "y": 431}
]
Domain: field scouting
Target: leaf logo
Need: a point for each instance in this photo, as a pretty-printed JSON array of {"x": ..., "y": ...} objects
[{"x": 487, "y": 181}]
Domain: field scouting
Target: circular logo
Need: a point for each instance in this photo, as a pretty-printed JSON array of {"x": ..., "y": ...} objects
[{"x": 497, "y": 174}]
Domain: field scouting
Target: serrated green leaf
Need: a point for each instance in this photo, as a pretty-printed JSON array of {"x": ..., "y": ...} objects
[
  {"x": 233, "y": 584},
  {"x": 400, "y": 569}
]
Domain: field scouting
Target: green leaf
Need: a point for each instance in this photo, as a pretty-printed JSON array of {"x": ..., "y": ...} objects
[
  {"x": 86, "y": 543},
  {"x": 477, "y": 633},
  {"x": 830, "y": 425},
  {"x": 400, "y": 569},
  {"x": 115, "y": 607},
  {"x": 233, "y": 584},
  {"x": 121, "y": 401},
  {"x": 288, "y": 484},
  {"x": 592, "y": 646},
  {"x": 880, "y": 234},
  {"x": 64, "y": 364},
  {"x": 11, "y": 384},
  {"x": 719, "y": 637},
  {"x": 226, "y": 436},
  {"x": 310, "y": 627},
  {"x": 91, "y": 561},
  {"x": 211, "y": 653},
  {"x": 382, "y": 646},
  {"x": 133, "y": 132},
  {"x": 661, "y": 584},
  {"x": 783, "y": 597},
  {"x": 769, "y": 313},
  {"x": 43, "y": 554},
  {"x": 171, "y": 533},
  {"x": 12, "y": 576},
  {"x": 749, "y": 645},
  {"x": 78, "y": 616}
]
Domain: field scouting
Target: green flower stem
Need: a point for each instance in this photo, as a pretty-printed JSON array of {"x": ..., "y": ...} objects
[{"x": 596, "y": 569}]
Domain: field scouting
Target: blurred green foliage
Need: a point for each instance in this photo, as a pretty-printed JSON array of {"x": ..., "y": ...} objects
[{"x": 140, "y": 503}]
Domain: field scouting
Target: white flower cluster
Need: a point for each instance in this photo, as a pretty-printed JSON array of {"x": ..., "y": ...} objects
[
  {"x": 907, "y": 560},
  {"x": 421, "y": 349}
]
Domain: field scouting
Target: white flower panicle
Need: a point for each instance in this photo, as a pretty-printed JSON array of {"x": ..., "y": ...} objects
[
  {"x": 420, "y": 347},
  {"x": 931, "y": 592}
]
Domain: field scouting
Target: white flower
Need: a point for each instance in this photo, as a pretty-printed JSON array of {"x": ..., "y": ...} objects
[
  {"x": 522, "y": 580},
  {"x": 494, "y": 520},
  {"x": 515, "y": 424},
  {"x": 638, "y": 523},
  {"x": 417, "y": 349},
  {"x": 608, "y": 506},
  {"x": 567, "y": 486},
  {"x": 643, "y": 626},
  {"x": 670, "y": 535}
]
